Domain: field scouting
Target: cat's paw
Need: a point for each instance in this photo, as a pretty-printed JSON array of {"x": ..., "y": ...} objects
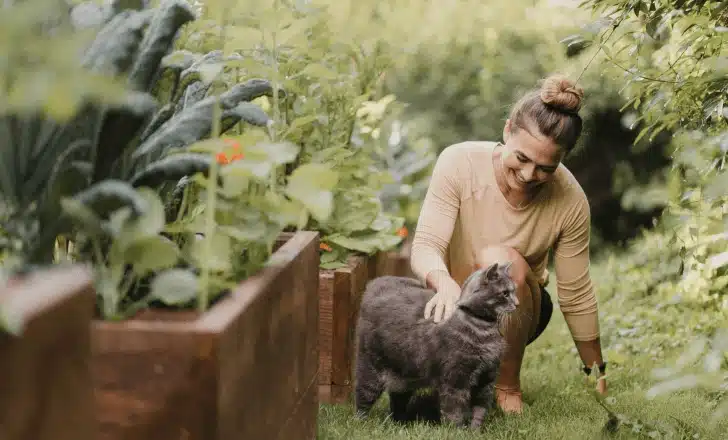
[
  {"x": 478, "y": 417},
  {"x": 361, "y": 414}
]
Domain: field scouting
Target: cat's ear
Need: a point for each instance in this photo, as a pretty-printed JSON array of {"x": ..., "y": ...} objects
[
  {"x": 491, "y": 272},
  {"x": 507, "y": 267}
]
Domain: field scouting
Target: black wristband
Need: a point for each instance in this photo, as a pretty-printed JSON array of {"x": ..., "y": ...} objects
[{"x": 602, "y": 368}]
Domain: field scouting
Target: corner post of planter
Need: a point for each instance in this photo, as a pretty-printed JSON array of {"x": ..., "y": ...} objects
[
  {"x": 340, "y": 293},
  {"x": 46, "y": 391}
]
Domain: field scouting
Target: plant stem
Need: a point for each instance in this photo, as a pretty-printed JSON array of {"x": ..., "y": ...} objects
[
  {"x": 204, "y": 297},
  {"x": 276, "y": 109}
]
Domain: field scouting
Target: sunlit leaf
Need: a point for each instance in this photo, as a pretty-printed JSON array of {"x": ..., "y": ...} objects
[
  {"x": 151, "y": 254},
  {"x": 175, "y": 286},
  {"x": 312, "y": 185}
]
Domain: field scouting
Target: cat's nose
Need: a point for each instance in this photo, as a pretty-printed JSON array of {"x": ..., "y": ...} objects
[{"x": 515, "y": 300}]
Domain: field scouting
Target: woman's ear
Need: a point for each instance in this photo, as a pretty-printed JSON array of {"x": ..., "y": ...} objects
[{"x": 507, "y": 130}]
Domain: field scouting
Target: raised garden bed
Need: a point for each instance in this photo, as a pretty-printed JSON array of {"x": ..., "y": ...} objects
[
  {"x": 45, "y": 390},
  {"x": 395, "y": 262},
  {"x": 340, "y": 292},
  {"x": 245, "y": 369}
]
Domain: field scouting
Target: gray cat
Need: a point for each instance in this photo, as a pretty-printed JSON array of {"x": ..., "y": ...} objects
[{"x": 399, "y": 351}]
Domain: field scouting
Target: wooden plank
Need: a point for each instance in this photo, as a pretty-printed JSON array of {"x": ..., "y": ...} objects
[
  {"x": 326, "y": 324},
  {"x": 395, "y": 262},
  {"x": 45, "y": 390},
  {"x": 268, "y": 354},
  {"x": 340, "y": 293},
  {"x": 244, "y": 369},
  {"x": 342, "y": 307}
]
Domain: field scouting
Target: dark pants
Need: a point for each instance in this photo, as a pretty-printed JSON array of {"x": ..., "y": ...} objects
[{"x": 547, "y": 309}]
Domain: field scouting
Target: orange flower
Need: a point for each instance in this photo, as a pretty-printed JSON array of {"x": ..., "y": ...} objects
[
  {"x": 402, "y": 232},
  {"x": 222, "y": 158},
  {"x": 236, "y": 154},
  {"x": 325, "y": 247}
]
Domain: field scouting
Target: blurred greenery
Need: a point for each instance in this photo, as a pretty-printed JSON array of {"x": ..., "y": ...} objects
[
  {"x": 334, "y": 112},
  {"x": 466, "y": 91}
]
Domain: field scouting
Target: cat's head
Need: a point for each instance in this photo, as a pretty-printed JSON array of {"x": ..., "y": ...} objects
[{"x": 489, "y": 292}]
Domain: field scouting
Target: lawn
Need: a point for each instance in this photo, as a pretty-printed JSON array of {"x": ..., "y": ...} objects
[{"x": 638, "y": 335}]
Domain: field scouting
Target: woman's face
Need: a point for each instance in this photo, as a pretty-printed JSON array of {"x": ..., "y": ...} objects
[{"x": 529, "y": 159}]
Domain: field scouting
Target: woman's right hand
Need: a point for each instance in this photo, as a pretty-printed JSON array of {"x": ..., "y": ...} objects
[{"x": 442, "y": 305}]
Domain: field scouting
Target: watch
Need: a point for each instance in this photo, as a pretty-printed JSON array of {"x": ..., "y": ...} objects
[{"x": 602, "y": 368}]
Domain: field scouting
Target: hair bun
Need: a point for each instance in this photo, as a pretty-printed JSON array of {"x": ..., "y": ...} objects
[{"x": 560, "y": 92}]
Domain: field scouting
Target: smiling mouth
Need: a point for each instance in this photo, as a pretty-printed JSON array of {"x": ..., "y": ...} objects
[{"x": 518, "y": 180}]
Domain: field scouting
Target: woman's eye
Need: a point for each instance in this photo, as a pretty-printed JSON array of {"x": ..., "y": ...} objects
[{"x": 522, "y": 159}]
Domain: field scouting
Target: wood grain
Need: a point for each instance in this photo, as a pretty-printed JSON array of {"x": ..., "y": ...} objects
[
  {"x": 45, "y": 385},
  {"x": 395, "y": 262},
  {"x": 243, "y": 370},
  {"x": 340, "y": 294}
]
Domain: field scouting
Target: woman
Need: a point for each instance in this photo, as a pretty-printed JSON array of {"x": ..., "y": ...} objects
[{"x": 494, "y": 202}]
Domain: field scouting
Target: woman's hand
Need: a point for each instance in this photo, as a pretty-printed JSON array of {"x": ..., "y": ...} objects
[{"x": 442, "y": 305}]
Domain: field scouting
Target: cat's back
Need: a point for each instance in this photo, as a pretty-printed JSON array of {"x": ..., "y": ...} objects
[{"x": 394, "y": 296}]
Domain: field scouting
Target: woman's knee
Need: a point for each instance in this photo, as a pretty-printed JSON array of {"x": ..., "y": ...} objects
[{"x": 519, "y": 270}]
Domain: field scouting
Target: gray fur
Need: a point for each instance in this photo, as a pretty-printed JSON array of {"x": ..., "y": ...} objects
[{"x": 399, "y": 351}]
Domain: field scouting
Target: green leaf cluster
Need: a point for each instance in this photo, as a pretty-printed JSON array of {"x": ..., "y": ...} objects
[
  {"x": 671, "y": 55},
  {"x": 98, "y": 182},
  {"x": 324, "y": 79}
]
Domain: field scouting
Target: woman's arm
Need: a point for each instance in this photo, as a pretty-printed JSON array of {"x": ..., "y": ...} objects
[
  {"x": 437, "y": 220},
  {"x": 575, "y": 290}
]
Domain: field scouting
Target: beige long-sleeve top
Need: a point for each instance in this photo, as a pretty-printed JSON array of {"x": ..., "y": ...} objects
[{"x": 464, "y": 211}]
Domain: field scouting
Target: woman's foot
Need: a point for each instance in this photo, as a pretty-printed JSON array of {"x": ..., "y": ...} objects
[{"x": 510, "y": 400}]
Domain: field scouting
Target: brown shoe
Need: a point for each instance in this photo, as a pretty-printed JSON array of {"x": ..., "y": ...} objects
[{"x": 510, "y": 400}]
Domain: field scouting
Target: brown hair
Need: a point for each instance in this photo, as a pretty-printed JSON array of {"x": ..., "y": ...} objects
[{"x": 553, "y": 109}]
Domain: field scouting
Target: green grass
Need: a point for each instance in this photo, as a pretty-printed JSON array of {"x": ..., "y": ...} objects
[{"x": 638, "y": 335}]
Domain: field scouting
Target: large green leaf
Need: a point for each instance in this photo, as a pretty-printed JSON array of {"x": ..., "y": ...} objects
[
  {"x": 109, "y": 195},
  {"x": 368, "y": 244},
  {"x": 312, "y": 184},
  {"x": 191, "y": 76},
  {"x": 249, "y": 90},
  {"x": 172, "y": 66},
  {"x": 180, "y": 60},
  {"x": 175, "y": 286},
  {"x": 220, "y": 257},
  {"x": 121, "y": 124},
  {"x": 116, "y": 44},
  {"x": 195, "y": 123},
  {"x": 151, "y": 223},
  {"x": 245, "y": 111},
  {"x": 157, "y": 42},
  {"x": 83, "y": 217},
  {"x": 158, "y": 119},
  {"x": 278, "y": 153},
  {"x": 191, "y": 95},
  {"x": 152, "y": 254},
  {"x": 171, "y": 169},
  {"x": 356, "y": 209}
]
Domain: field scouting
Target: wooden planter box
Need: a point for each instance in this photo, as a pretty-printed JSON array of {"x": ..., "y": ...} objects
[
  {"x": 340, "y": 294},
  {"x": 246, "y": 369},
  {"x": 45, "y": 381},
  {"x": 396, "y": 262}
]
